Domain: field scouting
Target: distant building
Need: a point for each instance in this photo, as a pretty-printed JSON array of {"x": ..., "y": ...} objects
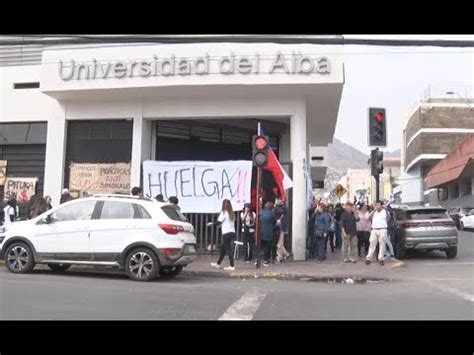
[
  {"x": 433, "y": 129},
  {"x": 453, "y": 177}
]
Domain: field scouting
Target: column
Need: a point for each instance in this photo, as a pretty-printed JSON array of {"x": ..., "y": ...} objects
[
  {"x": 298, "y": 157},
  {"x": 141, "y": 147},
  {"x": 55, "y": 153}
]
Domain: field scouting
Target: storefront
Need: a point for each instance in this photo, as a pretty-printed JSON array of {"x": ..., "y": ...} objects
[{"x": 190, "y": 101}]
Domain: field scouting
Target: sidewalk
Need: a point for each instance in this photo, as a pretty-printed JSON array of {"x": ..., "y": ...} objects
[{"x": 333, "y": 266}]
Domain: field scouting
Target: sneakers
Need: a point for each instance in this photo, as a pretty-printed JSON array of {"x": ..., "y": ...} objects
[
  {"x": 216, "y": 265},
  {"x": 346, "y": 260},
  {"x": 367, "y": 262},
  {"x": 266, "y": 264},
  {"x": 229, "y": 268},
  {"x": 382, "y": 262},
  {"x": 353, "y": 261}
]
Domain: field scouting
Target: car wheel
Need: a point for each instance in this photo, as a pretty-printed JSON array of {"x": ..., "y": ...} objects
[
  {"x": 59, "y": 267},
  {"x": 141, "y": 264},
  {"x": 171, "y": 271},
  {"x": 19, "y": 258},
  {"x": 451, "y": 252}
]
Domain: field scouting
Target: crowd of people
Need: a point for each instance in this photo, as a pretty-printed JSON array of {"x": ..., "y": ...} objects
[{"x": 357, "y": 229}]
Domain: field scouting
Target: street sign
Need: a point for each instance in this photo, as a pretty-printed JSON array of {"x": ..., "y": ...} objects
[{"x": 339, "y": 190}]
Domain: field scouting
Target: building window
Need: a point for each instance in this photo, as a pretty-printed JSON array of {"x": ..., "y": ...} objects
[
  {"x": 455, "y": 190},
  {"x": 443, "y": 193},
  {"x": 468, "y": 189},
  {"x": 19, "y": 86}
]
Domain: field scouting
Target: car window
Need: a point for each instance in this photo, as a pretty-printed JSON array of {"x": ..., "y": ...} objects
[
  {"x": 466, "y": 210},
  {"x": 173, "y": 213},
  {"x": 143, "y": 214},
  {"x": 117, "y": 210},
  {"x": 79, "y": 211},
  {"x": 427, "y": 214}
]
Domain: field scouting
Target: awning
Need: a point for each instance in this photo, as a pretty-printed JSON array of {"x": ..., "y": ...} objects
[{"x": 453, "y": 165}]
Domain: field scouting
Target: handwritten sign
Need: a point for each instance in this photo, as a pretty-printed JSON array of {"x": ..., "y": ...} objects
[
  {"x": 3, "y": 172},
  {"x": 20, "y": 188},
  {"x": 96, "y": 178},
  {"x": 200, "y": 186}
]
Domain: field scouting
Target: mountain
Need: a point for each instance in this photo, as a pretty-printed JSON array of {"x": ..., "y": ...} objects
[{"x": 342, "y": 156}]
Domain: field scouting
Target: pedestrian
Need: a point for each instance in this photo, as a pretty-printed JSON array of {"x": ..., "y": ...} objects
[
  {"x": 39, "y": 207},
  {"x": 378, "y": 217},
  {"x": 173, "y": 200},
  {"x": 48, "y": 201},
  {"x": 227, "y": 221},
  {"x": 332, "y": 228},
  {"x": 65, "y": 196},
  {"x": 137, "y": 191},
  {"x": 268, "y": 223},
  {"x": 31, "y": 203},
  {"x": 159, "y": 198},
  {"x": 248, "y": 231},
  {"x": 338, "y": 212},
  {"x": 363, "y": 230},
  {"x": 282, "y": 213},
  {"x": 10, "y": 213},
  {"x": 349, "y": 233},
  {"x": 321, "y": 227},
  {"x": 391, "y": 227}
]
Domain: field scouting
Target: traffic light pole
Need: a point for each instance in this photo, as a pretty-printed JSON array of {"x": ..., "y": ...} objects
[
  {"x": 377, "y": 187},
  {"x": 257, "y": 222}
]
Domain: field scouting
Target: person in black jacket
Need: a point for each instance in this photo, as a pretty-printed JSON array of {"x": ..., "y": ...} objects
[{"x": 338, "y": 213}]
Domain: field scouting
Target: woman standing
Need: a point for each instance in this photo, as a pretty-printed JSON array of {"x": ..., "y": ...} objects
[
  {"x": 227, "y": 221},
  {"x": 10, "y": 213},
  {"x": 332, "y": 228},
  {"x": 269, "y": 221},
  {"x": 248, "y": 229},
  {"x": 363, "y": 229}
]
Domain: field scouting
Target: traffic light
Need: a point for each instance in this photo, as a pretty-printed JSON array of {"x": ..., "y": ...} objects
[
  {"x": 260, "y": 151},
  {"x": 377, "y": 127},
  {"x": 376, "y": 158}
]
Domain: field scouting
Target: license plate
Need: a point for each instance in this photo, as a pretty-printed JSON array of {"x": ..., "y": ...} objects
[{"x": 190, "y": 249}]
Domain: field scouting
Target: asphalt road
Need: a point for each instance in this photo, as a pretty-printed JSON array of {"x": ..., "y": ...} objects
[{"x": 430, "y": 287}]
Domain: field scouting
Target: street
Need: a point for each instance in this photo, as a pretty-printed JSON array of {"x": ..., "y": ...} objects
[{"x": 430, "y": 287}]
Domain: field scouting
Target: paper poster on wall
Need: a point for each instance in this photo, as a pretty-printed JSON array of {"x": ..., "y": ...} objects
[
  {"x": 200, "y": 186},
  {"x": 21, "y": 188},
  {"x": 3, "y": 172},
  {"x": 96, "y": 178}
]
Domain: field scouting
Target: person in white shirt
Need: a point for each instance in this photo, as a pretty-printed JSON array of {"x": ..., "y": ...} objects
[
  {"x": 379, "y": 218},
  {"x": 227, "y": 221},
  {"x": 9, "y": 213}
]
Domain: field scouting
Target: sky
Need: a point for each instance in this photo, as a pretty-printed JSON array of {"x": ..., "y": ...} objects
[{"x": 396, "y": 78}]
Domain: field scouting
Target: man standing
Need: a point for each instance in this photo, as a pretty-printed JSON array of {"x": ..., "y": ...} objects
[
  {"x": 281, "y": 212},
  {"x": 349, "y": 234},
  {"x": 379, "y": 217}
]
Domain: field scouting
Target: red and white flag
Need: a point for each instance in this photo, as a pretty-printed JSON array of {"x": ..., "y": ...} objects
[{"x": 282, "y": 180}]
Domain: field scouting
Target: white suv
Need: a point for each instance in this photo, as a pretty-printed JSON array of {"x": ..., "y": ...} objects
[{"x": 142, "y": 236}]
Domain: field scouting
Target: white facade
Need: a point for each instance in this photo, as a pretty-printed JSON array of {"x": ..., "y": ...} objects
[{"x": 305, "y": 95}]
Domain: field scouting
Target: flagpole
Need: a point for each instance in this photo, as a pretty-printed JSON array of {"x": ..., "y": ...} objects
[{"x": 258, "y": 211}]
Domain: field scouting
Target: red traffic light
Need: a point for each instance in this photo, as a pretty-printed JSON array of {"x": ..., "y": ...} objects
[
  {"x": 261, "y": 143},
  {"x": 379, "y": 116}
]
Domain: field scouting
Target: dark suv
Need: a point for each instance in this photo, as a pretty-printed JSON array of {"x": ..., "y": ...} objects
[{"x": 425, "y": 228}]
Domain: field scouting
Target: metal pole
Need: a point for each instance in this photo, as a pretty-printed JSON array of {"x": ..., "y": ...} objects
[
  {"x": 257, "y": 222},
  {"x": 377, "y": 187}
]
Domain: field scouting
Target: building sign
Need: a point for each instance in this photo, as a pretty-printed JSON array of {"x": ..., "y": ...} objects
[
  {"x": 339, "y": 190},
  {"x": 296, "y": 63},
  {"x": 3, "y": 172},
  {"x": 95, "y": 178},
  {"x": 20, "y": 188},
  {"x": 200, "y": 186}
]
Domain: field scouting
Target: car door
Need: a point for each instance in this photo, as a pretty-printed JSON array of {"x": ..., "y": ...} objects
[
  {"x": 117, "y": 227},
  {"x": 66, "y": 235}
]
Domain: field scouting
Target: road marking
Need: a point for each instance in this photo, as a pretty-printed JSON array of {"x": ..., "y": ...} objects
[
  {"x": 460, "y": 263},
  {"x": 245, "y": 307},
  {"x": 454, "y": 291}
]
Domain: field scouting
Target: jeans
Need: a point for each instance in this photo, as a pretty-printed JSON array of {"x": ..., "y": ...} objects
[
  {"x": 226, "y": 247},
  {"x": 363, "y": 241},
  {"x": 330, "y": 239},
  {"x": 338, "y": 235},
  {"x": 321, "y": 248},
  {"x": 266, "y": 248},
  {"x": 249, "y": 242}
]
